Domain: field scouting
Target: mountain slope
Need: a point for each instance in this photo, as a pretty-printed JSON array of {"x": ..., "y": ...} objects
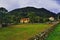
[{"x": 39, "y": 12}]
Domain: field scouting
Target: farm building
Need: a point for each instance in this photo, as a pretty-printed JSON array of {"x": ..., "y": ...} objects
[
  {"x": 24, "y": 20},
  {"x": 51, "y": 18}
]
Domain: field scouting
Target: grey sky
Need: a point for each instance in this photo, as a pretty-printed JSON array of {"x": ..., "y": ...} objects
[{"x": 52, "y": 5}]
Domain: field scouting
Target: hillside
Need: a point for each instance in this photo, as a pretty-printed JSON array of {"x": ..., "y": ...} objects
[
  {"x": 38, "y": 11},
  {"x": 36, "y": 15}
]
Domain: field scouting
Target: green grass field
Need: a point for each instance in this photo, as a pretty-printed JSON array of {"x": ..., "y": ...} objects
[
  {"x": 22, "y": 31},
  {"x": 55, "y": 35}
]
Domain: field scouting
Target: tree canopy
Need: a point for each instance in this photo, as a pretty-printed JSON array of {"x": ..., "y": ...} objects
[{"x": 36, "y": 15}]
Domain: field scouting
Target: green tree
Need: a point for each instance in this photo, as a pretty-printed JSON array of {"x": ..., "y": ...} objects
[
  {"x": 32, "y": 16},
  {"x": 37, "y": 19}
]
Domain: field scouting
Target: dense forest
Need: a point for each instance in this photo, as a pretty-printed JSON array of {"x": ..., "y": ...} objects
[{"x": 36, "y": 15}]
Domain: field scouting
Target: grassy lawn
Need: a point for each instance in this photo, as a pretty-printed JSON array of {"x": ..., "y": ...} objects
[
  {"x": 22, "y": 31},
  {"x": 55, "y": 35}
]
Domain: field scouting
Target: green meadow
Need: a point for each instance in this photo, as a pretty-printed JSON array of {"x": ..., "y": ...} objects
[
  {"x": 55, "y": 35},
  {"x": 22, "y": 31}
]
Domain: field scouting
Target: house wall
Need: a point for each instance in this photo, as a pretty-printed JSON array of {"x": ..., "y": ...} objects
[{"x": 24, "y": 20}]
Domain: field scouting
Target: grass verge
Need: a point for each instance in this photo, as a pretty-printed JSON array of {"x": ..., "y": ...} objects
[{"x": 22, "y": 31}]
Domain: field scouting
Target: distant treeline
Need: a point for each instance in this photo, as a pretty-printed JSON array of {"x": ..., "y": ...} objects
[{"x": 36, "y": 15}]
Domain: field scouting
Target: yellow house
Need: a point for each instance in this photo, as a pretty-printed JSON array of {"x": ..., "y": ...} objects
[{"x": 24, "y": 20}]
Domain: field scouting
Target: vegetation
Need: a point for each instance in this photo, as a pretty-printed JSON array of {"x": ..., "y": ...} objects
[
  {"x": 25, "y": 31},
  {"x": 58, "y": 16},
  {"x": 55, "y": 35},
  {"x": 36, "y": 15},
  {"x": 22, "y": 32},
  {"x": 33, "y": 13}
]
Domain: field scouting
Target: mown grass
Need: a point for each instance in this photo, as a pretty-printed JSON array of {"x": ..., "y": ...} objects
[
  {"x": 55, "y": 35},
  {"x": 21, "y": 31}
]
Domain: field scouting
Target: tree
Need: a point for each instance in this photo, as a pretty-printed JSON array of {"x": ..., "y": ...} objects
[
  {"x": 58, "y": 16},
  {"x": 37, "y": 19},
  {"x": 3, "y": 16},
  {"x": 32, "y": 16}
]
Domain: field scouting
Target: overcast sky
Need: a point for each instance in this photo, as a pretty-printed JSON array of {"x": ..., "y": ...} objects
[{"x": 52, "y": 5}]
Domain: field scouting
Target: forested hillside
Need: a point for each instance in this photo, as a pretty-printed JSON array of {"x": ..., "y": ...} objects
[{"x": 36, "y": 15}]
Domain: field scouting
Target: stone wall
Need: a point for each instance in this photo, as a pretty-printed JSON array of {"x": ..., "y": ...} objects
[{"x": 44, "y": 34}]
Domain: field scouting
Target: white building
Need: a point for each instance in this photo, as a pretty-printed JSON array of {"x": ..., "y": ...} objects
[{"x": 51, "y": 18}]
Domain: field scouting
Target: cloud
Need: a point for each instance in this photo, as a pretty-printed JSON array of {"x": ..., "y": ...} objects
[
  {"x": 51, "y": 5},
  {"x": 58, "y": 1},
  {"x": 9, "y": 4},
  {"x": 48, "y": 4},
  {"x": 38, "y": 3}
]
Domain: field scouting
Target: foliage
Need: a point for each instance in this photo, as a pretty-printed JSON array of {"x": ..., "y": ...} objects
[
  {"x": 55, "y": 35},
  {"x": 36, "y": 15}
]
